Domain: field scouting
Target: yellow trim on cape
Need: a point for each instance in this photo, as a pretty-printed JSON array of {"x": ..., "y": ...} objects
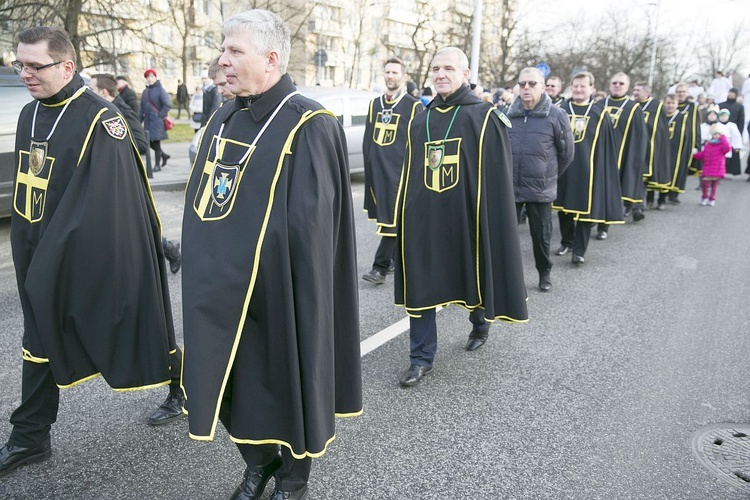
[
  {"x": 27, "y": 356},
  {"x": 285, "y": 150}
]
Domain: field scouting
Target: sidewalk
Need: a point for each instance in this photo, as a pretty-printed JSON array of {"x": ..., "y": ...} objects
[{"x": 174, "y": 175}]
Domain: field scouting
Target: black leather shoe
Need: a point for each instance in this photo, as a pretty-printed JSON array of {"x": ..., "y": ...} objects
[
  {"x": 169, "y": 411},
  {"x": 374, "y": 276},
  {"x": 578, "y": 259},
  {"x": 156, "y": 168},
  {"x": 638, "y": 215},
  {"x": 13, "y": 457},
  {"x": 545, "y": 282},
  {"x": 255, "y": 480},
  {"x": 477, "y": 339},
  {"x": 290, "y": 495},
  {"x": 627, "y": 212},
  {"x": 601, "y": 235},
  {"x": 164, "y": 158},
  {"x": 173, "y": 255},
  {"x": 413, "y": 375},
  {"x": 391, "y": 268},
  {"x": 564, "y": 249}
]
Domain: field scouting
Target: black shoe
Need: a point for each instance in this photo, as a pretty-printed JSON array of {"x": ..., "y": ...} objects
[
  {"x": 173, "y": 255},
  {"x": 391, "y": 268},
  {"x": 628, "y": 211},
  {"x": 255, "y": 480},
  {"x": 13, "y": 457},
  {"x": 169, "y": 411},
  {"x": 156, "y": 168},
  {"x": 477, "y": 339},
  {"x": 164, "y": 158},
  {"x": 674, "y": 200},
  {"x": 564, "y": 249},
  {"x": 601, "y": 235},
  {"x": 638, "y": 215},
  {"x": 374, "y": 276},
  {"x": 413, "y": 375},
  {"x": 545, "y": 282},
  {"x": 290, "y": 495},
  {"x": 577, "y": 259}
]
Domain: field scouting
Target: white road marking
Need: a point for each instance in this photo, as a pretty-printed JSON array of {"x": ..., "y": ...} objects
[{"x": 371, "y": 343}]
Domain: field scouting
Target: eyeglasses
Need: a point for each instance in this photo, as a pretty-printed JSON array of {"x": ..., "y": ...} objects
[
  {"x": 18, "y": 66},
  {"x": 530, "y": 84},
  {"x": 618, "y": 83}
]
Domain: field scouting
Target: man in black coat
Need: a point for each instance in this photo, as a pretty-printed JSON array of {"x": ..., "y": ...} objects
[
  {"x": 542, "y": 143},
  {"x": 127, "y": 94},
  {"x": 736, "y": 110},
  {"x": 211, "y": 99},
  {"x": 182, "y": 98}
]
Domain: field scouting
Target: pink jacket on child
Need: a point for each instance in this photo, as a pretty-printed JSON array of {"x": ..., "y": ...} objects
[{"x": 714, "y": 162}]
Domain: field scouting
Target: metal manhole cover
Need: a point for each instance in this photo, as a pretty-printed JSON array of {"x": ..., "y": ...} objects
[{"x": 725, "y": 450}]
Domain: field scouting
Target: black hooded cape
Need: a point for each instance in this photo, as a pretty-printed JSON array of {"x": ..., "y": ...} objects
[
  {"x": 87, "y": 247},
  {"x": 457, "y": 228},
  {"x": 590, "y": 187},
  {"x": 269, "y": 275},
  {"x": 680, "y": 151},
  {"x": 630, "y": 141},
  {"x": 657, "y": 175},
  {"x": 383, "y": 149}
]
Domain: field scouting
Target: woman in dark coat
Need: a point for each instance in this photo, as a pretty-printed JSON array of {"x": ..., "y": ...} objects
[{"x": 154, "y": 107}]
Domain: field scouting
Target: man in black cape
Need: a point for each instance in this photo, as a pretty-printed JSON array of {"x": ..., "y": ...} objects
[
  {"x": 269, "y": 268},
  {"x": 86, "y": 246},
  {"x": 383, "y": 147},
  {"x": 692, "y": 135},
  {"x": 680, "y": 140},
  {"x": 588, "y": 192},
  {"x": 657, "y": 176},
  {"x": 457, "y": 230},
  {"x": 630, "y": 141}
]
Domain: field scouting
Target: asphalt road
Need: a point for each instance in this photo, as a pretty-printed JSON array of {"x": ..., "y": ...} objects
[{"x": 596, "y": 397}]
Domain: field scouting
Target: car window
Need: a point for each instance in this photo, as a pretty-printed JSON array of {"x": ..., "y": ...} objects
[
  {"x": 336, "y": 106},
  {"x": 359, "y": 109}
]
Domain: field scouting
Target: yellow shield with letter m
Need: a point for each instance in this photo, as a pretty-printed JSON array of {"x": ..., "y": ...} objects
[
  {"x": 386, "y": 128},
  {"x": 441, "y": 164},
  {"x": 32, "y": 179}
]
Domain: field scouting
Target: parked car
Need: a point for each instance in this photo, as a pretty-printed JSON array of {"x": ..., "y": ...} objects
[
  {"x": 350, "y": 107},
  {"x": 13, "y": 97}
]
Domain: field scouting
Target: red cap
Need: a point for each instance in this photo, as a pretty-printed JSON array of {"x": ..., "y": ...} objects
[{"x": 149, "y": 71}]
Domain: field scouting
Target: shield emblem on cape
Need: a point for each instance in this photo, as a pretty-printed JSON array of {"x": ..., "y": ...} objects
[
  {"x": 37, "y": 157},
  {"x": 224, "y": 183},
  {"x": 435, "y": 156},
  {"x": 386, "y": 115}
]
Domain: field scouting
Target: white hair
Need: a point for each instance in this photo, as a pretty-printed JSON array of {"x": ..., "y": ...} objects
[
  {"x": 462, "y": 59},
  {"x": 270, "y": 34}
]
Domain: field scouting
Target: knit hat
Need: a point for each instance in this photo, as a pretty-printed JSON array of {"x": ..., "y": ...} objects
[{"x": 149, "y": 71}]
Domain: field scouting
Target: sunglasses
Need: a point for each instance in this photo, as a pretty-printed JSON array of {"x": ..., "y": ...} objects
[{"x": 530, "y": 84}]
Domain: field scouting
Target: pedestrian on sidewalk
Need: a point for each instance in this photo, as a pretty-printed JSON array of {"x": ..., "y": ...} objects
[{"x": 182, "y": 99}]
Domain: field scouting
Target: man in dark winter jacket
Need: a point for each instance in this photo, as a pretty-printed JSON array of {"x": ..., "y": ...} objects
[{"x": 542, "y": 143}]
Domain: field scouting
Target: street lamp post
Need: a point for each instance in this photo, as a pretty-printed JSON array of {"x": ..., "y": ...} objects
[
  {"x": 475, "y": 40},
  {"x": 653, "y": 43}
]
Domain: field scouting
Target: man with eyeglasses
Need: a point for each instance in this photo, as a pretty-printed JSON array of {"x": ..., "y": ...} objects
[
  {"x": 589, "y": 190},
  {"x": 630, "y": 142},
  {"x": 457, "y": 239},
  {"x": 542, "y": 145},
  {"x": 553, "y": 88},
  {"x": 86, "y": 246}
]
